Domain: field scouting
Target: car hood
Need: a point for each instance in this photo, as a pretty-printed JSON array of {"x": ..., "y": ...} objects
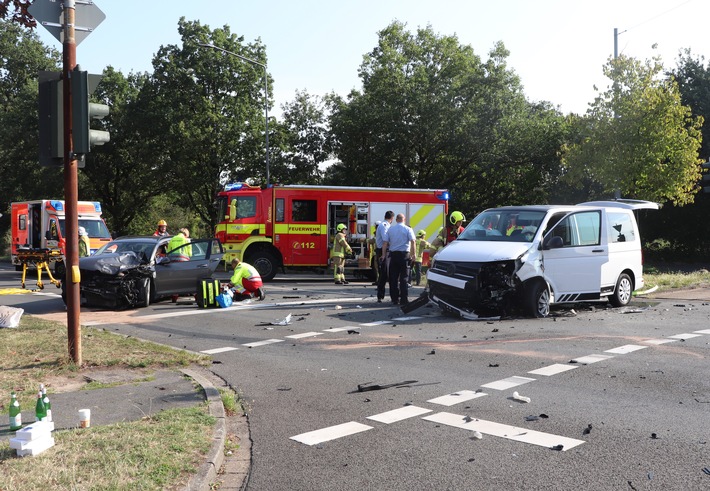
[
  {"x": 482, "y": 251},
  {"x": 111, "y": 263}
]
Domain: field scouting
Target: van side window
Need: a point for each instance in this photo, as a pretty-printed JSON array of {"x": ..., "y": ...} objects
[
  {"x": 620, "y": 228},
  {"x": 580, "y": 229}
]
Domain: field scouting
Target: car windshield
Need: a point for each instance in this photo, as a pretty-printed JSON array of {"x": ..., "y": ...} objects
[
  {"x": 507, "y": 225},
  {"x": 144, "y": 248}
]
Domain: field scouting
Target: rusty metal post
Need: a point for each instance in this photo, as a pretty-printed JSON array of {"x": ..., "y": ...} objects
[{"x": 71, "y": 192}]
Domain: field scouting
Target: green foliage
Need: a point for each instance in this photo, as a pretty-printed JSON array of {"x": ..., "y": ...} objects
[
  {"x": 637, "y": 137},
  {"x": 433, "y": 114}
]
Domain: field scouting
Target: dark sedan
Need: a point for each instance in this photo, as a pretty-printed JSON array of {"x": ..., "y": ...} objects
[{"x": 136, "y": 271}]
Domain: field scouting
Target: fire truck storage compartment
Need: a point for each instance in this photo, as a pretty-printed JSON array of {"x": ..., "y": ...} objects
[{"x": 355, "y": 217}]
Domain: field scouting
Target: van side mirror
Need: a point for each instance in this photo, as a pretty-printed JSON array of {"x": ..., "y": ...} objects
[{"x": 554, "y": 242}]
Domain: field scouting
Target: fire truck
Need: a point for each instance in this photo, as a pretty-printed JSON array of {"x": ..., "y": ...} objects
[
  {"x": 294, "y": 226},
  {"x": 39, "y": 224}
]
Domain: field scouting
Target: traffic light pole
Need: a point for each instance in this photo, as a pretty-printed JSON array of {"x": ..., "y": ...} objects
[{"x": 71, "y": 192}]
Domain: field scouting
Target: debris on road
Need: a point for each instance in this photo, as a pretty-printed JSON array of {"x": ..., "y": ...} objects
[
  {"x": 520, "y": 398},
  {"x": 367, "y": 387},
  {"x": 283, "y": 322},
  {"x": 588, "y": 429}
]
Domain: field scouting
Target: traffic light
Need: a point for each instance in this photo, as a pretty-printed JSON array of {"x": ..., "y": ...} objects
[
  {"x": 51, "y": 119},
  {"x": 83, "y": 111},
  {"x": 706, "y": 177}
]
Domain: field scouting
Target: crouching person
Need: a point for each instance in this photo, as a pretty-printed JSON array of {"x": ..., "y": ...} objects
[{"x": 246, "y": 282}]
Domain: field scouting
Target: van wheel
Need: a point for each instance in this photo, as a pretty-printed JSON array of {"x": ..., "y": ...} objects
[
  {"x": 622, "y": 292},
  {"x": 59, "y": 269},
  {"x": 265, "y": 264},
  {"x": 537, "y": 301}
]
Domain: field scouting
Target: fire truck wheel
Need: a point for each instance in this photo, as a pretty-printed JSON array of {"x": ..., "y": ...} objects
[{"x": 265, "y": 264}]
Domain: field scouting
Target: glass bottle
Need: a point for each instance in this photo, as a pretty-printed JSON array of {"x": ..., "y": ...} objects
[
  {"x": 15, "y": 413},
  {"x": 47, "y": 404},
  {"x": 40, "y": 409}
]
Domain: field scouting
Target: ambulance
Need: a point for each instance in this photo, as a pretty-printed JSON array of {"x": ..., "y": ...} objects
[
  {"x": 293, "y": 226},
  {"x": 39, "y": 224}
]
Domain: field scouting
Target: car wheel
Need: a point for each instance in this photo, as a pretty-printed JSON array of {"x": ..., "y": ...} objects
[
  {"x": 144, "y": 293},
  {"x": 265, "y": 264},
  {"x": 59, "y": 269},
  {"x": 622, "y": 292},
  {"x": 538, "y": 300}
]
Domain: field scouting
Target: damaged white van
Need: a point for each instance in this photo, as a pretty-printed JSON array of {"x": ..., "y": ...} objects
[{"x": 525, "y": 258}]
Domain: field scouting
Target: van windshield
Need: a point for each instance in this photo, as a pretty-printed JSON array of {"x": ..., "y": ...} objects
[
  {"x": 505, "y": 225},
  {"x": 95, "y": 228}
]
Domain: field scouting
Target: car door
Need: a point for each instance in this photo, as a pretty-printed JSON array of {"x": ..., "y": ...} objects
[
  {"x": 185, "y": 265},
  {"x": 573, "y": 255}
]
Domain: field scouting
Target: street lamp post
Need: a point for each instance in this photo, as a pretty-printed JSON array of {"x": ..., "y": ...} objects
[{"x": 266, "y": 95}]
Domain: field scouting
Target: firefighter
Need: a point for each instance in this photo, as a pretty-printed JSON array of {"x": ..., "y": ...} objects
[
  {"x": 84, "y": 244},
  {"x": 183, "y": 237},
  {"x": 246, "y": 281},
  {"x": 451, "y": 232},
  {"x": 340, "y": 248},
  {"x": 162, "y": 229},
  {"x": 421, "y": 245},
  {"x": 372, "y": 246}
]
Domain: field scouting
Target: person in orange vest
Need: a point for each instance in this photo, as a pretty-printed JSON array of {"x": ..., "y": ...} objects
[
  {"x": 246, "y": 281},
  {"x": 340, "y": 248}
]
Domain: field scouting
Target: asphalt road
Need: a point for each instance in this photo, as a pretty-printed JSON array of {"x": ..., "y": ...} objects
[{"x": 639, "y": 376}]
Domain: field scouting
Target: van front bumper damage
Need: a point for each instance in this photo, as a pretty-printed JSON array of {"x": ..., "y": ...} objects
[{"x": 472, "y": 290}]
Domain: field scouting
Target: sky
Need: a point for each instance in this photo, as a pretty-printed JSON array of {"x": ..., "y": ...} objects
[{"x": 557, "y": 47}]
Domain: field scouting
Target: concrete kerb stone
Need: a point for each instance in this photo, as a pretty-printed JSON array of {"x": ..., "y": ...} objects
[{"x": 207, "y": 473}]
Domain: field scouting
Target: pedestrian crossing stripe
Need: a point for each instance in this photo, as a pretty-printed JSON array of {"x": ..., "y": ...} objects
[
  {"x": 457, "y": 397},
  {"x": 627, "y": 348},
  {"x": 399, "y": 414},
  {"x": 589, "y": 359},
  {"x": 553, "y": 369},
  {"x": 331, "y": 433},
  {"x": 508, "y": 383},
  {"x": 508, "y": 432}
]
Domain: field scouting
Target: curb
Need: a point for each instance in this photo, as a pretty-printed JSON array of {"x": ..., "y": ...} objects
[{"x": 207, "y": 472}]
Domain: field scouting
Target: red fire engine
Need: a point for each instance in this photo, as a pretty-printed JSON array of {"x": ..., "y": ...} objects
[{"x": 294, "y": 226}]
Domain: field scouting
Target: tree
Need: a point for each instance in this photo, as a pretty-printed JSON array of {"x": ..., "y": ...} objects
[
  {"x": 637, "y": 137},
  {"x": 22, "y": 55},
  {"x": 304, "y": 140},
  {"x": 17, "y": 11},
  {"x": 432, "y": 114},
  {"x": 206, "y": 110},
  {"x": 693, "y": 80}
]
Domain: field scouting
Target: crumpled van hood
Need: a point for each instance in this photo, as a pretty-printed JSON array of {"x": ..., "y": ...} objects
[{"x": 482, "y": 251}]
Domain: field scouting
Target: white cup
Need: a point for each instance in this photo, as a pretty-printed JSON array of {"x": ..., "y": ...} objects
[{"x": 84, "y": 418}]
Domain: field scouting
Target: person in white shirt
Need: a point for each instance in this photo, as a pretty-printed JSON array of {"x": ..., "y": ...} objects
[
  {"x": 399, "y": 243},
  {"x": 382, "y": 262}
]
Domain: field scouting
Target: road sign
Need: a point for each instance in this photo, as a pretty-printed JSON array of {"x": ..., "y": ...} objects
[{"x": 50, "y": 14}]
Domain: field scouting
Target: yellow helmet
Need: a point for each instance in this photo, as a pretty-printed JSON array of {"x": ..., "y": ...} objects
[
  {"x": 341, "y": 227},
  {"x": 162, "y": 222},
  {"x": 456, "y": 216},
  {"x": 421, "y": 233}
]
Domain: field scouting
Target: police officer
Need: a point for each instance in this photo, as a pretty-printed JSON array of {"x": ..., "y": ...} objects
[
  {"x": 399, "y": 242},
  {"x": 340, "y": 248},
  {"x": 382, "y": 262}
]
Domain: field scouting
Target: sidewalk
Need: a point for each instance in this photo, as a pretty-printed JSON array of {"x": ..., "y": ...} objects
[{"x": 134, "y": 399}]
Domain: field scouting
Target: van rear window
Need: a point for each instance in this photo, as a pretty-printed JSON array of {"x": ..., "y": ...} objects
[{"x": 620, "y": 228}]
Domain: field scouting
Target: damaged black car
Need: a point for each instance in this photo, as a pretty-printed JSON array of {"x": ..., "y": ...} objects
[{"x": 137, "y": 271}]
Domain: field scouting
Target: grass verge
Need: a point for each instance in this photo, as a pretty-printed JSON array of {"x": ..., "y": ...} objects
[
  {"x": 669, "y": 280},
  {"x": 159, "y": 452}
]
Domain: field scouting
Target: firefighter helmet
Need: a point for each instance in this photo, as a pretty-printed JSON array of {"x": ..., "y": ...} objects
[
  {"x": 456, "y": 216},
  {"x": 421, "y": 233},
  {"x": 162, "y": 222},
  {"x": 341, "y": 227}
]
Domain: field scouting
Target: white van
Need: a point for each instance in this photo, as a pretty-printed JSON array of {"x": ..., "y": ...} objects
[{"x": 529, "y": 257}]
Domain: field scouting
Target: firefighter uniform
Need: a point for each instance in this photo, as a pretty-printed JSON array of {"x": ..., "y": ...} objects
[
  {"x": 450, "y": 232},
  {"x": 340, "y": 248},
  {"x": 421, "y": 245}
]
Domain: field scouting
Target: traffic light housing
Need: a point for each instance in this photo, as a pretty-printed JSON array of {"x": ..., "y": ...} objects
[
  {"x": 706, "y": 177},
  {"x": 51, "y": 119},
  {"x": 83, "y": 111}
]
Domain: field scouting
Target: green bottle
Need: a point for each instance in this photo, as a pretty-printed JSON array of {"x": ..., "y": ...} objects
[
  {"x": 47, "y": 404},
  {"x": 40, "y": 409},
  {"x": 15, "y": 413}
]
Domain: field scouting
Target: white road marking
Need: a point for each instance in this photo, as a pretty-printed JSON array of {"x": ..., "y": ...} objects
[
  {"x": 508, "y": 383},
  {"x": 627, "y": 348},
  {"x": 685, "y": 336},
  {"x": 402, "y": 319},
  {"x": 704, "y": 331},
  {"x": 377, "y": 323},
  {"x": 552, "y": 369},
  {"x": 589, "y": 359},
  {"x": 304, "y": 335},
  {"x": 218, "y": 350},
  {"x": 399, "y": 414},
  {"x": 659, "y": 341},
  {"x": 508, "y": 432},
  {"x": 263, "y": 343},
  {"x": 338, "y": 329},
  {"x": 331, "y": 433},
  {"x": 456, "y": 397}
]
